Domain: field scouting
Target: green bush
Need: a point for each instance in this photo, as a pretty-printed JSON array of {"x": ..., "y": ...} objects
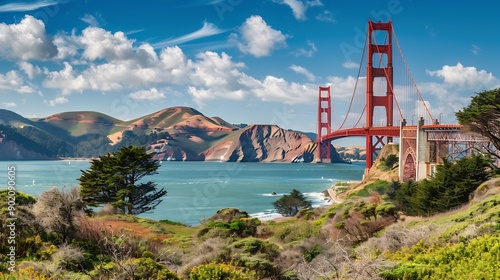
[
  {"x": 147, "y": 268},
  {"x": 477, "y": 259},
  {"x": 312, "y": 253},
  {"x": 221, "y": 271},
  {"x": 254, "y": 246}
]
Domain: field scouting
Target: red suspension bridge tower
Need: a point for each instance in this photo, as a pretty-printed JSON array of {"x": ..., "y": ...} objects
[
  {"x": 376, "y": 99},
  {"x": 421, "y": 146},
  {"x": 379, "y": 55}
]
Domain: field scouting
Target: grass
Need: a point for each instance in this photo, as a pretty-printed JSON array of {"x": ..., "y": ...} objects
[{"x": 379, "y": 186}]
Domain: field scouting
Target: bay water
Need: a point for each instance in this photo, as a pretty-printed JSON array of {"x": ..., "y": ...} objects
[{"x": 196, "y": 190}]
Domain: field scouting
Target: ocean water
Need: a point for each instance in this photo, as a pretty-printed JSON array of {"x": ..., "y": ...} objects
[{"x": 196, "y": 190}]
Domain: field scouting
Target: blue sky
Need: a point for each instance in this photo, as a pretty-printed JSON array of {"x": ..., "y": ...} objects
[{"x": 247, "y": 61}]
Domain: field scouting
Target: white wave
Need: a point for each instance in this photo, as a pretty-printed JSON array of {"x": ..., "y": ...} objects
[
  {"x": 266, "y": 215},
  {"x": 270, "y": 194},
  {"x": 317, "y": 198}
]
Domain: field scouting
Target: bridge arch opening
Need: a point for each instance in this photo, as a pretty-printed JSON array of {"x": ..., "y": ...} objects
[{"x": 409, "y": 171}]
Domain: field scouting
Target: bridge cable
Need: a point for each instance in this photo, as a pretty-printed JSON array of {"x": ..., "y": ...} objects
[
  {"x": 356, "y": 85},
  {"x": 411, "y": 76}
]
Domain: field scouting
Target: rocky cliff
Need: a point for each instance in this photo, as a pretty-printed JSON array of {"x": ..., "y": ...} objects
[{"x": 265, "y": 143}]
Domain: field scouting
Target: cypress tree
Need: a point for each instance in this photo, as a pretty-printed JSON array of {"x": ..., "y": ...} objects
[{"x": 116, "y": 179}]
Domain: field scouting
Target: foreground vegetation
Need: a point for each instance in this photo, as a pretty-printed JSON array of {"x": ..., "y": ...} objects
[{"x": 367, "y": 236}]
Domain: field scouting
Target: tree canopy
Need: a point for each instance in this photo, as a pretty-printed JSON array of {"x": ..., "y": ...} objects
[
  {"x": 482, "y": 116},
  {"x": 290, "y": 204},
  {"x": 116, "y": 179},
  {"x": 450, "y": 187}
]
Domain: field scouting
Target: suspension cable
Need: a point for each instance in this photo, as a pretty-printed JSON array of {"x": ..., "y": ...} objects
[
  {"x": 356, "y": 84},
  {"x": 411, "y": 76}
]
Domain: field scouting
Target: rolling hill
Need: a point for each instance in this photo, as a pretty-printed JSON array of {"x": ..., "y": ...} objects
[{"x": 176, "y": 133}]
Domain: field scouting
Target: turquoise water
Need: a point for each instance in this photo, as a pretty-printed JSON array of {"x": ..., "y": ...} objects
[{"x": 197, "y": 190}]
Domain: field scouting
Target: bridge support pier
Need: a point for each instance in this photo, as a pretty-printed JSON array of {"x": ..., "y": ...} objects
[{"x": 324, "y": 125}]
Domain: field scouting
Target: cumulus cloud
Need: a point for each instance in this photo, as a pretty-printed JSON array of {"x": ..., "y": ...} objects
[
  {"x": 299, "y": 7},
  {"x": 152, "y": 95},
  {"x": 9, "y": 104},
  {"x": 464, "y": 77},
  {"x": 342, "y": 88},
  {"x": 26, "y": 40},
  {"x": 278, "y": 89},
  {"x": 258, "y": 38},
  {"x": 307, "y": 53},
  {"x": 208, "y": 29},
  {"x": 350, "y": 65},
  {"x": 29, "y": 69},
  {"x": 99, "y": 60},
  {"x": 102, "y": 44},
  {"x": 57, "y": 101},
  {"x": 12, "y": 81},
  {"x": 301, "y": 70},
  {"x": 67, "y": 45}
]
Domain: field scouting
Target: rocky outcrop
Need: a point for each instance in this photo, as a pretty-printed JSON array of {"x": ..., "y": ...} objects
[{"x": 263, "y": 143}]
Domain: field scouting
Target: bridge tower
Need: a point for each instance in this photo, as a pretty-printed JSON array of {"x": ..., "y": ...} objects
[
  {"x": 382, "y": 70},
  {"x": 324, "y": 124}
]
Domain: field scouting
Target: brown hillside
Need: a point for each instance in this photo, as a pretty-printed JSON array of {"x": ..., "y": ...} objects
[{"x": 265, "y": 143}]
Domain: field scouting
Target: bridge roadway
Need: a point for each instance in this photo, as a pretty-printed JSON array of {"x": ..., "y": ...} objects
[{"x": 389, "y": 131}]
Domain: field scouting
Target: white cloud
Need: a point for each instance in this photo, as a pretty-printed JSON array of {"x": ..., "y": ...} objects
[
  {"x": 30, "y": 69},
  {"x": 24, "y": 7},
  {"x": 342, "y": 88},
  {"x": 280, "y": 90},
  {"x": 112, "y": 64},
  {"x": 326, "y": 16},
  {"x": 102, "y": 44},
  {"x": 301, "y": 70},
  {"x": 57, "y": 101},
  {"x": 216, "y": 76},
  {"x": 258, "y": 38},
  {"x": 350, "y": 65},
  {"x": 299, "y": 8},
  {"x": 12, "y": 81},
  {"x": 90, "y": 20},
  {"x": 9, "y": 104},
  {"x": 307, "y": 53},
  {"x": 464, "y": 77},
  {"x": 67, "y": 45},
  {"x": 207, "y": 30},
  {"x": 26, "y": 40},
  {"x": 445, "y": 99},
  {"x": 152, "y": 95}
]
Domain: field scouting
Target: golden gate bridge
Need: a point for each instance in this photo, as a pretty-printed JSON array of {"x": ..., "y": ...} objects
[{"x": 380, "y": 110}]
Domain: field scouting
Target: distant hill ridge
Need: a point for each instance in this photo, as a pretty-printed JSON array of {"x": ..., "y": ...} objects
[{"x": 175, "y": 133}]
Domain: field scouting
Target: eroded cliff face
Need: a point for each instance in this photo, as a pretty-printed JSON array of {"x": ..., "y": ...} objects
[{"x": 264, "y": 143}]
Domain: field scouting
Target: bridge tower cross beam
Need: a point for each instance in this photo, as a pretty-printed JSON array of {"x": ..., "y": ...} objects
[
  {"x": 384, "y": 71},
  {"x": 324, "y": 124}
]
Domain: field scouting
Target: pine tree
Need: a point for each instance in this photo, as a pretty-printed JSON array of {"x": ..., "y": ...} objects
[
  {"x": 115, "y": 179},
  {"x": 290, "y": 204}
]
